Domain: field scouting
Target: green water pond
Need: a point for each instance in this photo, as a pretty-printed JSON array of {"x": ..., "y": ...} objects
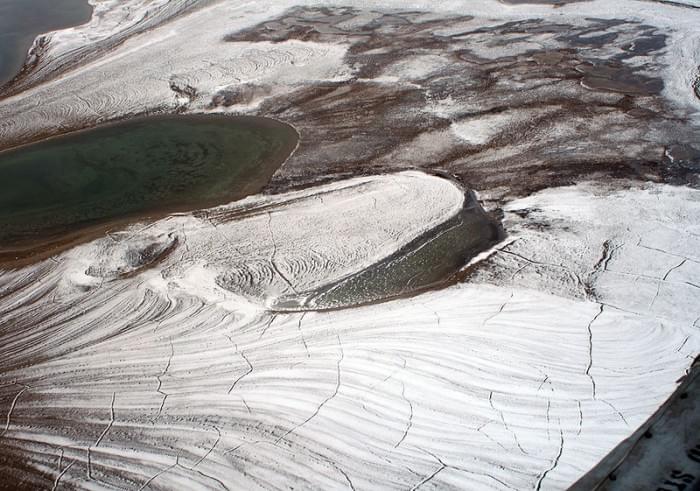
[{"x": 136, "y": 168}]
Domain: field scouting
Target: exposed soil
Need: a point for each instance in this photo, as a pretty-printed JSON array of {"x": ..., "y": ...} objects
[{"x": 595, "y": 110}]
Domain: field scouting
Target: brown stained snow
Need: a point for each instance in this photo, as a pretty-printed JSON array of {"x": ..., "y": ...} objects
[
  {"x": 590, "y": 92},
  {"x": 594, "y": 110}
]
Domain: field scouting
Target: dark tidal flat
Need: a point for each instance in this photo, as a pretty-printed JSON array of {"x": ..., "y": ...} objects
[
  {"x": 143, "y": 167},
  {"x": 22, "y": 20}
]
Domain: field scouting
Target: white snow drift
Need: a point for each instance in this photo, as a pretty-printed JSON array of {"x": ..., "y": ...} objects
[{"x": 163, "y": 379}]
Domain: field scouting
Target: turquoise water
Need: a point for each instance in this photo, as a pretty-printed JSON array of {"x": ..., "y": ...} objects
[
  {"x": 135, "y": 168},
  {"x": 22, "y": 20}
]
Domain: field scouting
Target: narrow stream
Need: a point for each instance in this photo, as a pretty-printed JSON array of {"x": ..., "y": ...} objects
[{"x": 430, "y": 261}]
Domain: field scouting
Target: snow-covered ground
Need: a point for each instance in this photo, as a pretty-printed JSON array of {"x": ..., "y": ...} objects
[
  {"x": 108, "y": 87},
  {"x": 163, "y": 379},
  {"x": 286, "y": 246},
  {"x": 151, "y": 358}
]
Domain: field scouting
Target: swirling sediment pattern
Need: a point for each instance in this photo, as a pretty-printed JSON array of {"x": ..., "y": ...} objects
[
  {"x": 155, "y": 357},
  {"x": 160, "y": 378}
]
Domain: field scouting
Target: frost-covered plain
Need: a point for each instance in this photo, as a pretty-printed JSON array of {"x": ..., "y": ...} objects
[
  {"x": 154, "y": 358},
  {"x": 163, "y": 379}
]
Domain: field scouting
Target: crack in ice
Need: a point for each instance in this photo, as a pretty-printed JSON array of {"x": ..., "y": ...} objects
[
  {"x": 325, "y": 401},
  {"x": 590, "y": 350},
  {"x": 410, "y": 415},
  {"x": 160, "y": 381},
  {"x": 101, "y": 437},
  {"x": 12, "y": 407},
  {"x": 555, "y": 462}
]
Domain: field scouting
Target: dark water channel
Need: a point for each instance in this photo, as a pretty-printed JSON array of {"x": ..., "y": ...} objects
[{"x": 23, "y": 20}]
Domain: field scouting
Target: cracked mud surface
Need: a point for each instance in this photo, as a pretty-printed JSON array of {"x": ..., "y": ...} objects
[{"x": 575, "y": 122}]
